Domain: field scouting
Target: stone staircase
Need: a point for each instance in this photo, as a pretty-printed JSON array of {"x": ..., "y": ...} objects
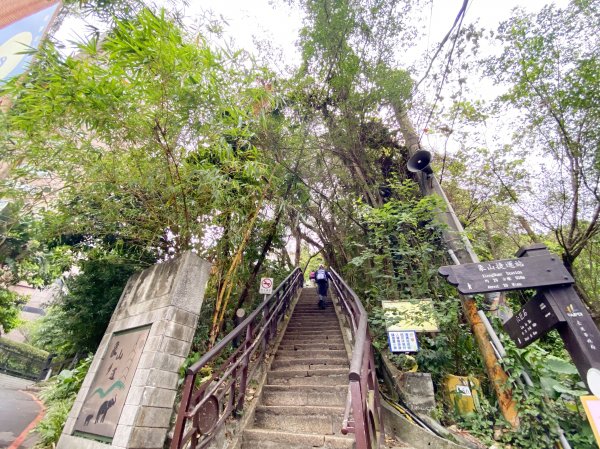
[{"x": 303, "y": 400}]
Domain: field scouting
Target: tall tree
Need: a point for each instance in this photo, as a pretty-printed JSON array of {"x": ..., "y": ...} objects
[{"x": 550, "y": 63}]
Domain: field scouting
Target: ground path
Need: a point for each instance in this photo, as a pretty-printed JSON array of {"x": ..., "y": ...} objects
[{"x": 18, "y": 411}]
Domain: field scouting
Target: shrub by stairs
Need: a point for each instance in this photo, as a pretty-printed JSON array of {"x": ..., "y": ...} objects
[{"x": 303, "y": 400}]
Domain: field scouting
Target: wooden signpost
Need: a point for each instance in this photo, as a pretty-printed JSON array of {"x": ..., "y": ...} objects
[
  {"x": 509, "y": 274},
  {"x": 556, "y": 305}
]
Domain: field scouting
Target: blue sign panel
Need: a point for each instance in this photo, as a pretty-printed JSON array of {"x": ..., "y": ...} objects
[
  {"x": 21, "y": 36},
  {"x": 403, "y": 341}
]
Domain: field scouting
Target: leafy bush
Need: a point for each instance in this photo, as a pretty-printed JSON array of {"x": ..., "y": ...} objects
[
  {"x": 402, "y": 251},
  {"x": 21, "y": 358},
  {"x": 58, "y": 396},
  {"x": 10, "y": 309},
  {"x": 77, "y": 320},
  {"x": 50, "y": 428},
  {"x": 552, "y": 401},
  {"x": 23, "y": 349}
]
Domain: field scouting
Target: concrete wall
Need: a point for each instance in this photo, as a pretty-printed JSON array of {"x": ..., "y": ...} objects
[{"x": 166, "y": 297}]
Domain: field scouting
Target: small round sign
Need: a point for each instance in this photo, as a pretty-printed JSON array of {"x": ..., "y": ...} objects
[
  {"x": 208, "y": 415},
  {"x": 593, "y": 381}
]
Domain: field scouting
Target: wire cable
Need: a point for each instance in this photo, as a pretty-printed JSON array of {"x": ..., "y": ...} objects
[{"x": 457, "y": 20}]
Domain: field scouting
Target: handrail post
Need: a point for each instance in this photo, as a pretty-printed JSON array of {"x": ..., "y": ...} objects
[
  {"x": 376, "y": 399},
  {"x": 245, "y": 364},
  {"x": 181, "y": 418},
  {"x": 46, "y": 368},
  {"x": 358, "y": 413}
]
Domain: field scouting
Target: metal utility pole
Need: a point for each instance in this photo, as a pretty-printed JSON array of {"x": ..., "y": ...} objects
[{"x": 462, "y": 250}]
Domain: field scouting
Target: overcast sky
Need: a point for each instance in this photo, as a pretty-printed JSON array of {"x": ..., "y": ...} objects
[
  {"x": 249, "y": 21},
  {"x": 276, "y": 21}
]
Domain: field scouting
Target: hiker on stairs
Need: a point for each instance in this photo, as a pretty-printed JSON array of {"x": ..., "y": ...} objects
[{"x": 322, "y": 278}]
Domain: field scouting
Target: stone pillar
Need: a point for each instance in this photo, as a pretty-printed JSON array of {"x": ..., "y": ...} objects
[{"x": 127, "y": 397}]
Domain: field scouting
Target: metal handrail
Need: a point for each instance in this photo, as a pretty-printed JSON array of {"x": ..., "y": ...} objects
[
  {"x": 363, "y": 400},
  {"x": 202, "y": 411}
]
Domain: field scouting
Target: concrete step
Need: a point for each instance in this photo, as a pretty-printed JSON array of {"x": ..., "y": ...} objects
[
  {"x": 317, "y": 323},
  {"x": 313, "y": 337},
  {"x": 314, "y": 324},
  {"x": 312, "y": 342},
  {"x": 329, "y": 376},
  {"x": 307, "y": 419},
  {"x": 313, "y": 315},
  {"x": 319, "y": 316},
  {"x": 269, "y": 439},
  {"x": 309, "y": 364},
  {"x": 313, "y": 306},
  {"x": 298, "y": 331},
  {"x": 283, "y": 354},
  {"x": 313, "y": 345},
  {"x": 302, "y": 403},
  {"x": 294, "y": 339},
  {"x": 330, "y": 395}
]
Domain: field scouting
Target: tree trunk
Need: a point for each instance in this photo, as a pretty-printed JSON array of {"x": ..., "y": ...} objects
[
  {"x": 490, "y": 240},
  {"x": 593, "y": 308},
  {"x": 297, "y": 236},
  {"x": 263, "y": 254},
  {"x": 525, "y": 225},
  {"x": 455, "y": 239}
]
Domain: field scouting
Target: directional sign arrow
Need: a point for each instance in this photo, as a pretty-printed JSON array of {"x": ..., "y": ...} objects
[
  {"x": 536, "y": 318},
  {"x": 507, "y": 274}
]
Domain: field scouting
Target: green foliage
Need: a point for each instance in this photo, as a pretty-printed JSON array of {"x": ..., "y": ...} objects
[
  {"x": 78, "y": 318},
  {"x": 67, "y": 383},
  {"x": 21, "y": 359},
  {"x": 587, "y": 269},
  {"x": 549, "y": 63},
  {"x": 23, "y": 256},
  {"x": 23, "y": 349},
  {"x": 453, "y": 350},
  {"x": 552, "y": 401},
  {"x": 404, "y": 362},
  {"x": 105, "y": 10},
  {"x": 59, "y": 395},
  {"x": 50, "y": 427},
  {"x": 48, "y": 332},
  {"x": 130, "y": 171},
  {"x": 10, "y": 309},
  {"x": 402, "y": 252}
]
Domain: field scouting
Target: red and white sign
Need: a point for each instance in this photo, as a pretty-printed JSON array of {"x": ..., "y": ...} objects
[{"x": 266, "y": 286}]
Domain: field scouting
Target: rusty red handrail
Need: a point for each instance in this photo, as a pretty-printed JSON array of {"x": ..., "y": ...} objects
[
  {"x": 363, "y": 400},
  {"x": 202, "y": 410}
]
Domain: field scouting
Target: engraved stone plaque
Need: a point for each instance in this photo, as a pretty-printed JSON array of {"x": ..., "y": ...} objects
[
  {"x": 106, "y": 397},
  {"x": 127, "y": 397}
]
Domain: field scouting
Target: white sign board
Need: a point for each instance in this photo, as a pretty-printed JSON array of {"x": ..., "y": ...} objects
[
  {"x": 266, "y": 286},
  {"x": 403, "y": 341},
  {"x": 463, "y": 390}
]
